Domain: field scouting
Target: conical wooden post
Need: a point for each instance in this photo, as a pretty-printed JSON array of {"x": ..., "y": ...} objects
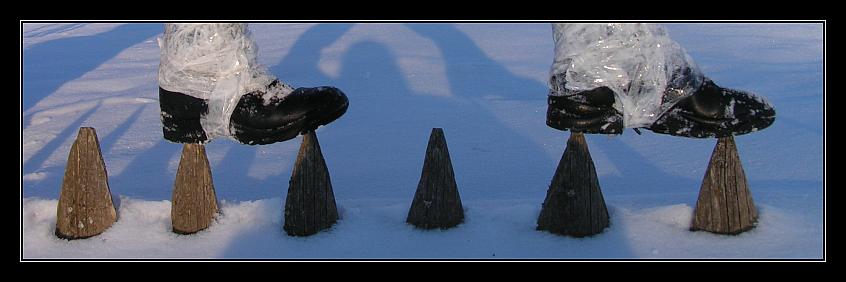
[
  {"x": 574, "y": 205},
  {"x": 436, "y": 203},
  {"x": 310, "y": 205},
  {"x": 725, "y": 204},
  {"x": 86, "y": 207},
  {"x": 194, "y": 203}
]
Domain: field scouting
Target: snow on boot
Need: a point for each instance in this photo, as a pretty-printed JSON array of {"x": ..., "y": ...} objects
[
  {"x": 590, "y": 111},
  {"x": 257, "y": 122},
  {"x": 606, "y": 77},
  {"x": 714, "y": 111},
  {"x": 254, "y": 121},
  {"x": 211, "y": 85}
]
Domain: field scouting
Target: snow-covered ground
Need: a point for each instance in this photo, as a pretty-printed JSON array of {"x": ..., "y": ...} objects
[{"x": 483, "y": 83}]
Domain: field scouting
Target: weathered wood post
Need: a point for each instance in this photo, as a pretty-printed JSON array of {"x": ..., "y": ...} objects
[
  {"x": 194, "y": 203},
  {"x": 574, "y": 205},
  {"x": 85, "y": 207},
  {"x": 725, "y": 204},
  {"x": 310, "y": 206},
  {"x": 436, "y": 203}
]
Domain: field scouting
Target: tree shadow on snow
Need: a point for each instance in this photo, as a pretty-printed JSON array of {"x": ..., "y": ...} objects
[
  {"x": 54, "y": 63},
  {"x": 49, "y": 186}
]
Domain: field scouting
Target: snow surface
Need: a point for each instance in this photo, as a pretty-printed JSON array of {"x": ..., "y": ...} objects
[{"x": 485, "y": 84}]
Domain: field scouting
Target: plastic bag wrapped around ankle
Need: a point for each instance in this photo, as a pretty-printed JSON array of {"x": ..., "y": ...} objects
[
  {"x": 216, "y": 62},
  {"x": 647, "y": 70}
]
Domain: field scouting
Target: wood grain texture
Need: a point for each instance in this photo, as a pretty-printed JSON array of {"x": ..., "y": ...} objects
[
  {"x": 436, "y": 203},
  {"x": 574, "y": 205},
  {"x": 195, "y": 204},
  {"x": 725, "y": 204},
  {"x": 310, "y": 205},
  {"x": 85, "y": 207}
]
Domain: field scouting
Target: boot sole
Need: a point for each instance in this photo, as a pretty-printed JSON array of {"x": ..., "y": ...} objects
[{"x": 704, "y": 127}]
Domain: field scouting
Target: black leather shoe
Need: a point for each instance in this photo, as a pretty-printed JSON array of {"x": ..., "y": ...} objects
[
  {"x": 590, "y": 111},
  {"x": 714, "y": 111},
  {"x": 255, "y": 123}
]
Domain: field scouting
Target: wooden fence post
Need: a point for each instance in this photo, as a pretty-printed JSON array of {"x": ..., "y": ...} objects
[
  {"x": 194, "y": 203},
  {"x": 85, "y": 207},
  {"x": 725, "y": 204},
  {"x": 310, "y": 205},
  {"x": 574, "y": 205},
  {"x": 436, "y": 203}
]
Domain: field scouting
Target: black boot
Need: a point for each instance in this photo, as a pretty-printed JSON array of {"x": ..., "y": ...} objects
[
  {"x": 180, "y": 116},
  {"x": 714, "y": 111},
  {"x": 590, "y": 111},
  {"x": 255, "y": 123}
]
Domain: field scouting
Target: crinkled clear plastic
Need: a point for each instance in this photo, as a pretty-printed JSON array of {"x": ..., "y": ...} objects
[
  {"x": 648, "y": 71},
  {"x": 216, "y": 62}
]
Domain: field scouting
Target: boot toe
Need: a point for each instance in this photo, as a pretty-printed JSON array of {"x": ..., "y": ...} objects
[
  {"x": 302, "y": 110},
  {"x": 716, "y": 112},
  {"x": 328, "y": 104}
]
